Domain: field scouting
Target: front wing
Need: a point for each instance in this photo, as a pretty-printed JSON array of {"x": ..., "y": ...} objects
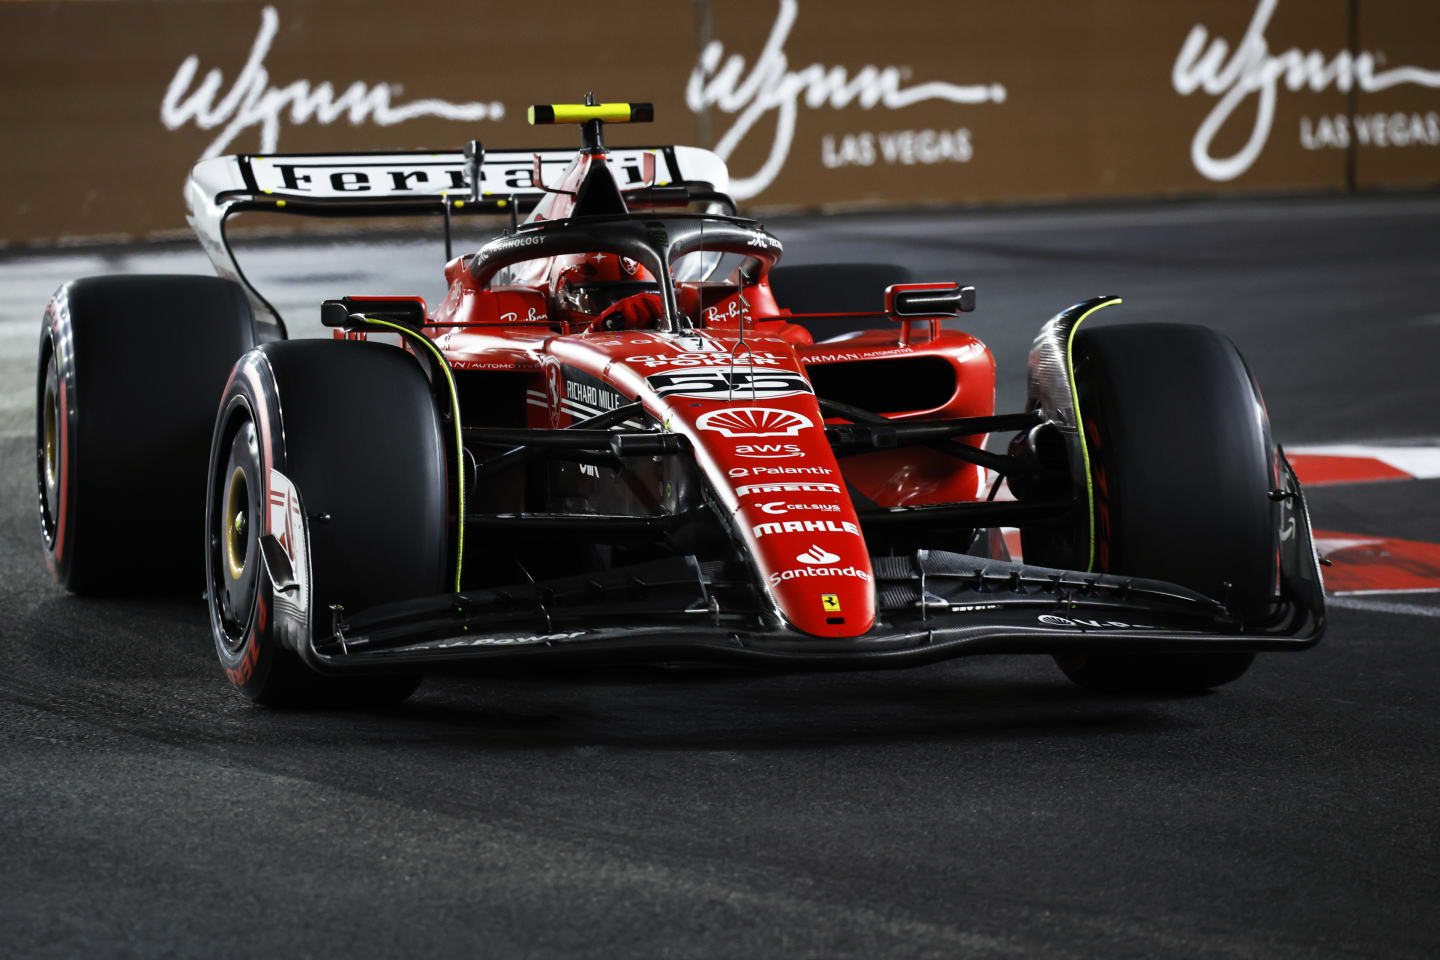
[{"x": 933, "y": 605}]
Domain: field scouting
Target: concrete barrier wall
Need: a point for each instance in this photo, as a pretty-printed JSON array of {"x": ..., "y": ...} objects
[{"x": 814, "y": 104}]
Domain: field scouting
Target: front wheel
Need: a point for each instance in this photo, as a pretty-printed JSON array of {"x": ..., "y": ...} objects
[
  {"x": 1182, "y": 466},
  {"x": 342, "y": 437}
]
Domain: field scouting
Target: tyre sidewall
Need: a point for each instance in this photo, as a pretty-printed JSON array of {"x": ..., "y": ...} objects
[
  {"x": 347, "y": 423},
  {"x": 57, "y": 517},
  {"x": 259, "y": 666}
]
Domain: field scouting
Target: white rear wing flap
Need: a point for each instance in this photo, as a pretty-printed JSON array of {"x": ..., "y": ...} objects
[{"x": 411, "y": 183}]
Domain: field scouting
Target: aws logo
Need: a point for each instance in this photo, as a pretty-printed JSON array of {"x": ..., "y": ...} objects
[{"x": 767, "y": 451}]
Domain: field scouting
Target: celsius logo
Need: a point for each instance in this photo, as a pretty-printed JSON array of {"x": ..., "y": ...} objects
[
  {"x": 1252, "y": 69},
  {"x": 777, "y": 507},
  {"x": 252, "y": 102},
  {"x": 754, "y": 422},
  {"x": 720, "y": 82},
  {"x": 817, "y": 554}
]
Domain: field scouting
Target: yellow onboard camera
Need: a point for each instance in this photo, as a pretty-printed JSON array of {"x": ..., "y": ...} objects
[{"x": 583, "y": 112}]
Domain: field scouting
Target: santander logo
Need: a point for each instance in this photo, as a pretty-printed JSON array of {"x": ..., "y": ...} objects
[{"x": 817, "y": 554}]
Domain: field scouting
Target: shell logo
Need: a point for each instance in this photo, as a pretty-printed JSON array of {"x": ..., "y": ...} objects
[{"x": 754, "y": 422}]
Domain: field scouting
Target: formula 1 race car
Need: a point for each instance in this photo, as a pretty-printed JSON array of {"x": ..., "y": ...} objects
[{"x": 611, "y": 442}]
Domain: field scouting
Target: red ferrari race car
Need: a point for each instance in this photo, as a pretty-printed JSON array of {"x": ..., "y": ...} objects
[{"x": 611, "y": 441}]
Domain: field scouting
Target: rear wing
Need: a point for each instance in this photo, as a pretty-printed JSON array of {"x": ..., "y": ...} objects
[{"x": 420, "y": 183}]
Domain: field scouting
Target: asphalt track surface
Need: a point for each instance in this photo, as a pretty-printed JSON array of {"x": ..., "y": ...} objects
[{"x": 981, "y": 807}]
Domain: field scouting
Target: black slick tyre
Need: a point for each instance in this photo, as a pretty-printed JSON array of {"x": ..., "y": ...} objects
[
  {"x": 354, "y": 428},
  {"x": 130, "y": 370},
  {"x": 1182, "y": 465}
]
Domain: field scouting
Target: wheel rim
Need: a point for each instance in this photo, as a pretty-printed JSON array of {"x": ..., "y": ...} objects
[
  {"x": 47, "y": 449},
  {"x": 233, "y": 534},
  {"x": 237, "y": 523}
]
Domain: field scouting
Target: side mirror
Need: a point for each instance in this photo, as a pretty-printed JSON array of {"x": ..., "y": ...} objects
[
  {"x": 406, "y": 311},
  {"x": 928, "y": 299}
]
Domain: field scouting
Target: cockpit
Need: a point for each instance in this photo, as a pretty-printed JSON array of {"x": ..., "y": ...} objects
[{"x": 632, "y": 271}]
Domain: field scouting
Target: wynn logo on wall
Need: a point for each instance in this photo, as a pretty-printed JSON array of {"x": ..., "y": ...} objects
[
  {"x": 721, "y": 83},
  {"x": 1252, "y": 70},
  {"x": 253, "y": 102}
]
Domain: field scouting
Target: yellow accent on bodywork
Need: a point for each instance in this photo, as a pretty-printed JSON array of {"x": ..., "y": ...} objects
[
  {"x": 1080, "y": 423},
  {"x": 459, "y": 440}
]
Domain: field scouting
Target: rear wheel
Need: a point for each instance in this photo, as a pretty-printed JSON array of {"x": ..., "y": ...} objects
[
  {"x": 354, "y": 428},
  {"x": 1182, "y": 465},
  {"x": 130, "y": 369}
]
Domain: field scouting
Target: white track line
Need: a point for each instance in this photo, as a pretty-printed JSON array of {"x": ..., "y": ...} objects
[
  {"x": 1383, "y": 606},
  {"x": 1421, "y": 461}
]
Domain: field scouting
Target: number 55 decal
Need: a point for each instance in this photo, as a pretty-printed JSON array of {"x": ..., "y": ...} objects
[{"x": 716, "y": 384}]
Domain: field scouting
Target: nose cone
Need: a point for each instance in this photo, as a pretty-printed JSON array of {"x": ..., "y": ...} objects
[
  {"x": 812, "y": 557},
  {"x": 770, "y": 462},
  {"x": 757, "y": 432}
]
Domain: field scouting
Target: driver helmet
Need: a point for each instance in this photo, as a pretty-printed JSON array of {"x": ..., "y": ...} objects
[{"x": 591, "y": 283}]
